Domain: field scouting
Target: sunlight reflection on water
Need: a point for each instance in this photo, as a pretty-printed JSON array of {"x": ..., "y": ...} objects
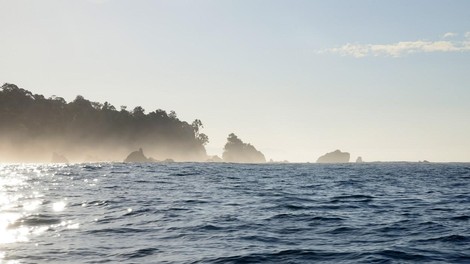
[
  {"x": 32, "y": 205},
  {"x": 10, "y": 183},
  {"x": 24, "y": 212},
  {"x": 58, "y": 206}
]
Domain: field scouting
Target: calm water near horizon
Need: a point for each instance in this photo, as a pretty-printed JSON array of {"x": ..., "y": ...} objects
[{"x": 235, "y": 213}]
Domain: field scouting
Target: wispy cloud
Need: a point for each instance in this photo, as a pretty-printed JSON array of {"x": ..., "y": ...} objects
[
  {"x": 449, "y": 35},
  {"x": 446, "y": 44}
]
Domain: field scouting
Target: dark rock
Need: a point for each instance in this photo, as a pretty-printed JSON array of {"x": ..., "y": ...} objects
[
  {"x": 137, "y": 156},
  {"x": 334, "y": 157},
  {"x": 236, "y": 150}
]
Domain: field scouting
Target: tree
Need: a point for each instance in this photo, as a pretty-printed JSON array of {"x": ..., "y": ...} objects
[
  {"x": 173, "y": 115},
  {"x": 197, "y": 124},
  {"x": 108, "y": 107},
  {"x": 97, "y": 105},
  {"x": 203, "y": 139},
  {"x": 138, "y": 111}
]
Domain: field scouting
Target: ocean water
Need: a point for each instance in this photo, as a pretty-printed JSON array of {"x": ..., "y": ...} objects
[{"x": 235, "y": 213}]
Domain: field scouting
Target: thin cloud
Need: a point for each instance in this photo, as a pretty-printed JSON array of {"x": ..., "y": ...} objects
[
  {"x": 403, "y": 48},
  {"x": 449, "y": 35}
]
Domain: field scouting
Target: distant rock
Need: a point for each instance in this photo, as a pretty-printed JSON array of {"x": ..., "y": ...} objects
[
  {"x": 334, "y": 157},
  {"x": 57, "y": 158},
  {"x": 278, "y": 162},
  {"x": 137, "y": 156},
  {"x": 359, "y": 160},
  {"x": 236, "y": 150},
  {"x": 169, "y": 160}
]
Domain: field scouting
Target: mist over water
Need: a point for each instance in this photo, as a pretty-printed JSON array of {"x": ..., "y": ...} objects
[{"x": 234, "y": 213}]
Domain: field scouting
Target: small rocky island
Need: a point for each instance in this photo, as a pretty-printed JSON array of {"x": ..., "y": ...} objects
[
  {"x": 334, "y": 157},
  {"x": 137, "y": 156},
  {"x": 236, "y": 150}
]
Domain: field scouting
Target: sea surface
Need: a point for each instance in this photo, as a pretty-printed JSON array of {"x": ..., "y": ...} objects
[{"x": 235, "y": 213}]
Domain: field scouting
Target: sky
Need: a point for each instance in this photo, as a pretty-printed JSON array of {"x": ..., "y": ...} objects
[{"x": 385, "y": 80}]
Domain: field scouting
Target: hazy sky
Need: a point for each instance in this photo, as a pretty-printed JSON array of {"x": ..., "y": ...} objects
[{"x": 385, "y": 80}]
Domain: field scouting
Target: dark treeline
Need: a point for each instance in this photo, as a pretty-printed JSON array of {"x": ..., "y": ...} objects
[{"x": 32, "y": 127}]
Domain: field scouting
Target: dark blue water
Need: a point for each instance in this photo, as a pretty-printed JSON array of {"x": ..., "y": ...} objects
[{"x": 229, "y": 213}]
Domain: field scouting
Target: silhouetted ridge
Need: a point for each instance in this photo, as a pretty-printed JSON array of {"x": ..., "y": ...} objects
[
  {"x": 33, "y": 127},
  {"x": 237, "y": 151}
]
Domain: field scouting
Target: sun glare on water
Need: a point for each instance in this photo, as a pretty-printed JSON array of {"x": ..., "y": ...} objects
[
  {"x": 58, "y": 206},
  {"x": 9, "y": 198},
  {"x": 21, "y": 203}
]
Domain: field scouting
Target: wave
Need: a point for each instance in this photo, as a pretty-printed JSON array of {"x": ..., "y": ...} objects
[
  {"x": 284, "y": 256},
  {"x": 139, "y": 253}
]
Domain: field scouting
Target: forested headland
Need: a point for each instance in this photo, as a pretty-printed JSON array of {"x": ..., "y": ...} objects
[{"x": 32, "y": 127}]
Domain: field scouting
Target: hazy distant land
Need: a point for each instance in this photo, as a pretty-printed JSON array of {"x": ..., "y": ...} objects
[
  {"x": 33, "y": 127},
  {"x": 38, "y": 129}
]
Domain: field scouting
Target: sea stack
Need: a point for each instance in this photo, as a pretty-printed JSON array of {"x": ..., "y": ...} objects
[
  {"x": 334, "y": 157},
  {"x": 137, "y": 156},
  {"x": 237, "y": 151},
  {"x": 359, "y": 160}
]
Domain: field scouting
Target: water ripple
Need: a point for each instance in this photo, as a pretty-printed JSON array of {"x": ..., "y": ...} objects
[{"x": 235, "y": 213}]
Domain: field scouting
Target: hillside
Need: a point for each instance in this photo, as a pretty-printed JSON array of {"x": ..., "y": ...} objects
[{"x": 33, "y": 127}]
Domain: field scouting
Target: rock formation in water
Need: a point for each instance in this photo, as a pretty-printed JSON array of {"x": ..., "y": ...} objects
[
  {"x": 137, "y": 156},
  {"x": 278, "y": 162},
  {"x": 57, "y": 158},
  {"x": 359, "y": 160},
  {"x": 236, "y": 150},
  {"x": 334, "y": 157}
]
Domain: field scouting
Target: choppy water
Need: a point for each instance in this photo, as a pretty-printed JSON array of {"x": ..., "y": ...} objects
[{"x": 229, "y": 213}]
